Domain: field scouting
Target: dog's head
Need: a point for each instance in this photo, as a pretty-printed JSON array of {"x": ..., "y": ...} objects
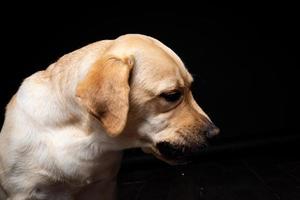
[{"x": 140, "y": 92}]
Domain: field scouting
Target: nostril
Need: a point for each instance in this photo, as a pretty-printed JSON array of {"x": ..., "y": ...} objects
[{"x": 212, "y": 131}]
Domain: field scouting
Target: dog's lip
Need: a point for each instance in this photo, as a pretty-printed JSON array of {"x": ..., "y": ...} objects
[
  {"x": 172, "y": 161},
  {"x": 180, "y": 160},
  {"x": 179, "y": 152},
  {"x": 184, "y": 159},
  {"x": 177, "y": 161}
]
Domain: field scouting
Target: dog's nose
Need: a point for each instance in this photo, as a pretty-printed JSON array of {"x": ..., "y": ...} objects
[{"x": 212, "y": 131}]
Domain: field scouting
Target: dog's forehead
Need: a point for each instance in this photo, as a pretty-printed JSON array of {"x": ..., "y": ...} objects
[
  {"x": 175, "y": 59},
  {"x": 156, "y": 64}
]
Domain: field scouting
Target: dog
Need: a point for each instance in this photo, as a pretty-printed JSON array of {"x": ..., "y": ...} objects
[{"x": 66, "y": 127}]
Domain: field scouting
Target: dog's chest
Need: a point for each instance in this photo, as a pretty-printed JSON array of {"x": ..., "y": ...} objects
[
  {"x": 78, "y": 162},
  {"x": 85, "y": 159}
]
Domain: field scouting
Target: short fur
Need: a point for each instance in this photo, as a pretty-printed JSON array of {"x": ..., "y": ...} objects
[{"x": 66, "y": 127}]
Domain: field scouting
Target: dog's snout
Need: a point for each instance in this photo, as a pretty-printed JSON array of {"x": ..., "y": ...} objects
[{"x": 212, "y": 131}]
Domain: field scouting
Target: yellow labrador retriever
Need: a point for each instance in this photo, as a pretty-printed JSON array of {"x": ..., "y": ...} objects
[{"x": 66, "y": 127}]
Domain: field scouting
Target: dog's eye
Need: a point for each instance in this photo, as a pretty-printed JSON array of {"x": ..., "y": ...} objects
[{"x": 171, "y": 96}]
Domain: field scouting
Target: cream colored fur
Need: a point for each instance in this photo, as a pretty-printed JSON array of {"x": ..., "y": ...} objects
[{"x": 61, "y": 140}]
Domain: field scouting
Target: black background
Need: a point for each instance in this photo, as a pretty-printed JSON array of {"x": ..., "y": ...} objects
[{"x": 243, "y": 57}]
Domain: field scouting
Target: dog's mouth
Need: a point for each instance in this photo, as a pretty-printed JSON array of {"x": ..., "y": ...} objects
[
  {"x": 179, "y": 153},
  {"x": 175, "y": 154}
]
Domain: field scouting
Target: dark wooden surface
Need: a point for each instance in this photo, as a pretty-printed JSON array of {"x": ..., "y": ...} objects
[{"x": 258, "y": 177}]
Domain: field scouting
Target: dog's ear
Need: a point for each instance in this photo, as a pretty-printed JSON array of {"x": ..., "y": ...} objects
[{"x": 104, "y": 91}]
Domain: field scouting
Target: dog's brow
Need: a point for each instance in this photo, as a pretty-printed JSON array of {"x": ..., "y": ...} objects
[{"x": 173, "y": 87}]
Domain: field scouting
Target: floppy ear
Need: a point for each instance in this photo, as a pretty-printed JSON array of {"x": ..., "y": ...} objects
[{"x": 105, "y": 92}]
